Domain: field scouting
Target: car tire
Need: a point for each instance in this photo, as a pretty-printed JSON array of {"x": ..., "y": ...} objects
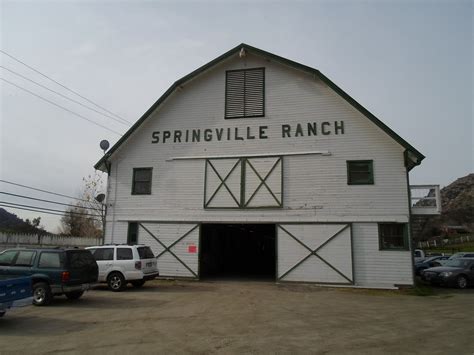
[
  {"x": 42, "y": 295},
  {"x": 2, "y": 313},
  {"x": 138, "y": 283},
  {"x": 461, "y": 282},
  {"x": 116, "y": 282},
  {"x": 75, "y": 295}
]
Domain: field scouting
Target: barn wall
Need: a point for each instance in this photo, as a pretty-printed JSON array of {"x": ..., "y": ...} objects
[{"x": 374, "y": 267}]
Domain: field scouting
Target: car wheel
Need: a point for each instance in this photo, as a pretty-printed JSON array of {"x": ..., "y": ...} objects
[
  {"x": 42, "y": 295},
  {"x": 138, "y": 283},
  {"x": 461, "y": 281},
  {"x": 116, "y": 282},
  {"x": 2, "y": 313},
  {"x": 74, "y": 295}
]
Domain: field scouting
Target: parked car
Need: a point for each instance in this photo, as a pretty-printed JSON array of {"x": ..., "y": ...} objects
[
  {"x": 462, "y": 255},
  {"x": 14, "y": 292},
  {"x": 457, "y": 272},
  {"x": 122, "y": 264},
  {"x": 430, "y": 262},
  {"x": 54, "y": 272},
  {"x": 418, "y": 255}
]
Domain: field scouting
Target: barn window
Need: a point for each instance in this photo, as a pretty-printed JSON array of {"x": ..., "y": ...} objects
[
  {"x": 360, "y": 172},
  {"x": 393, "y": 236},
  {"x": 141, "y": 184},
  {"x": 244, "y": 93},
  {"x": 132, "y": 235}
]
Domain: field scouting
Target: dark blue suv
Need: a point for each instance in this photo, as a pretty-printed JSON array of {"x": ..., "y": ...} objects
[{"x": 60, "y": 271}]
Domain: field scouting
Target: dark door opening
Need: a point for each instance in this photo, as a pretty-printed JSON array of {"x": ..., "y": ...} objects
[{"x": 238, "y": 250}]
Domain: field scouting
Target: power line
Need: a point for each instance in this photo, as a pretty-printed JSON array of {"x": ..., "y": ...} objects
[
  {"x": 47, "y": 201},
  {"x": 63, "y": 86},
  {"x": 35, "y": 210},
  {"x": 64, "y": 96},
  {"x": 46, "y": 191},
  {"x": 64, "y": 108},
  {"x": 49, "y": 209}
]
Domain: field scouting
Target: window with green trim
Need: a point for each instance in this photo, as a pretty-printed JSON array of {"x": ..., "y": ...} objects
[
  {"x": 360, "y": 172},
  {"x": 141, "y": 184},
  {"x": 245, "y": 93},
  {"x": 132, "y": 235},
  {"x": 393, "y": 236}
]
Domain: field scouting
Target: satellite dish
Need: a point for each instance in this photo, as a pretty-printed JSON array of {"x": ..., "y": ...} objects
[
  {"x": 100, "y": 198},
  {"x": 104, "y": 145}
]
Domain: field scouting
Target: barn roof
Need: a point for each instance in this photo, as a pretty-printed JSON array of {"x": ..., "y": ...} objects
[{"x": 413, "y": 156}]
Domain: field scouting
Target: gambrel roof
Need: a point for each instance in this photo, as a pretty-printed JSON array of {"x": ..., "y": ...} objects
[{"x": 413, "y": 156}]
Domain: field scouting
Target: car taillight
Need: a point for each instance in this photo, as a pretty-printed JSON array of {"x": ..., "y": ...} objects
[
  {"x": 65, "y": 276},
  {"x": 138, "y": 265}
]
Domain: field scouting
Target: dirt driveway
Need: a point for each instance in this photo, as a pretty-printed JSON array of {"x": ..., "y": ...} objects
[{"x": 244, "y": 317}]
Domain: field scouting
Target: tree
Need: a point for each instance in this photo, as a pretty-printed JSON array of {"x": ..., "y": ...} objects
[
  {"x": 86, "y": 218},
  {"x": 34, "y": 226}
]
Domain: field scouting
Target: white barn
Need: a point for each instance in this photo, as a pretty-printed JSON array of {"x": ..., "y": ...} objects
[{"x": 257, "y": 166}]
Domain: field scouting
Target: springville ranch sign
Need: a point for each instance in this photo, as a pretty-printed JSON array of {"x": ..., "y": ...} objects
[{"x": 247, "y": 133}]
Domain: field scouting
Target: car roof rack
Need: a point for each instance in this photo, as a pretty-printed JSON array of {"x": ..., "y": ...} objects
[{"x": 117, "y": 244}]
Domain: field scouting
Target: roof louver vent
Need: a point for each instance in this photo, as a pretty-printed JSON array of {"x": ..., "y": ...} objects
[{"x": 245, "y": 91}]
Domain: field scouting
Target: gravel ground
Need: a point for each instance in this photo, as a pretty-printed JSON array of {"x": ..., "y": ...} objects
[{"x": 244, "y": 317}]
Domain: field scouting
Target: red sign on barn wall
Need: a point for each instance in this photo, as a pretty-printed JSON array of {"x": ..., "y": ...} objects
[{"x": 192, "y": 249}]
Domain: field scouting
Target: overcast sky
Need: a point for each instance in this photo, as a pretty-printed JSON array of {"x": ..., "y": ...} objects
[{"x": 408, "y": 62}]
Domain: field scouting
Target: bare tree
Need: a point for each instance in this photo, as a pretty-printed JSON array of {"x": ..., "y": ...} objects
[{"x": 87, "y": 217}]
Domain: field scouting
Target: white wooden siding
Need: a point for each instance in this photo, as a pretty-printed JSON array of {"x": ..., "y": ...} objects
[{"x": 374, "y": 267}]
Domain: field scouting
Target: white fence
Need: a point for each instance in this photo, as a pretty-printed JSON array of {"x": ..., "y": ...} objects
[
  {"x": 16, "y": 240},
  {"x": 446, "y": 242}
]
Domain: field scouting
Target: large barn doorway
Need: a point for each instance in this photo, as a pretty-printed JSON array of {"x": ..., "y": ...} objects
[{"x": 238, "y": 251}]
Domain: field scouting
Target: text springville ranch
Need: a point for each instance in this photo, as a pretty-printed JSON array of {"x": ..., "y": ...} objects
[{"x": 247, "y": 133}]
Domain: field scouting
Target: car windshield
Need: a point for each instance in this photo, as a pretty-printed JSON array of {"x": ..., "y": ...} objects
[
  {"x": 145, "y": 253},
  {"x": 458, "y": 263}
]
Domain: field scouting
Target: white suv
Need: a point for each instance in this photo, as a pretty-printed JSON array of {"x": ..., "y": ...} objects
[{"x": 120, "y": 264}]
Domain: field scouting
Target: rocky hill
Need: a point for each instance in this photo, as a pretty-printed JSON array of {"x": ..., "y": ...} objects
[{"x": 459, "y": 195}]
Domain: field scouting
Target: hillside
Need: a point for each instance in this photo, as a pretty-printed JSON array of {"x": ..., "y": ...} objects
[
  {"x": 10, "y": 222},
  {"x": 457, "y": 201},
  {"x": 459, "y": 195}
]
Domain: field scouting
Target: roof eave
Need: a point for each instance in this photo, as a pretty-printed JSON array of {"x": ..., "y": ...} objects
[{"x": 100, "y": 165}]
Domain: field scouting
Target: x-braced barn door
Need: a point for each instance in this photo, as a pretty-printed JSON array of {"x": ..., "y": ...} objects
[
  {"x": 315, "y": 253},
  {"x": 263, "y": 182},
  {"x": 175, "y": 245},
  {"x": 244, "y": 183}
]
